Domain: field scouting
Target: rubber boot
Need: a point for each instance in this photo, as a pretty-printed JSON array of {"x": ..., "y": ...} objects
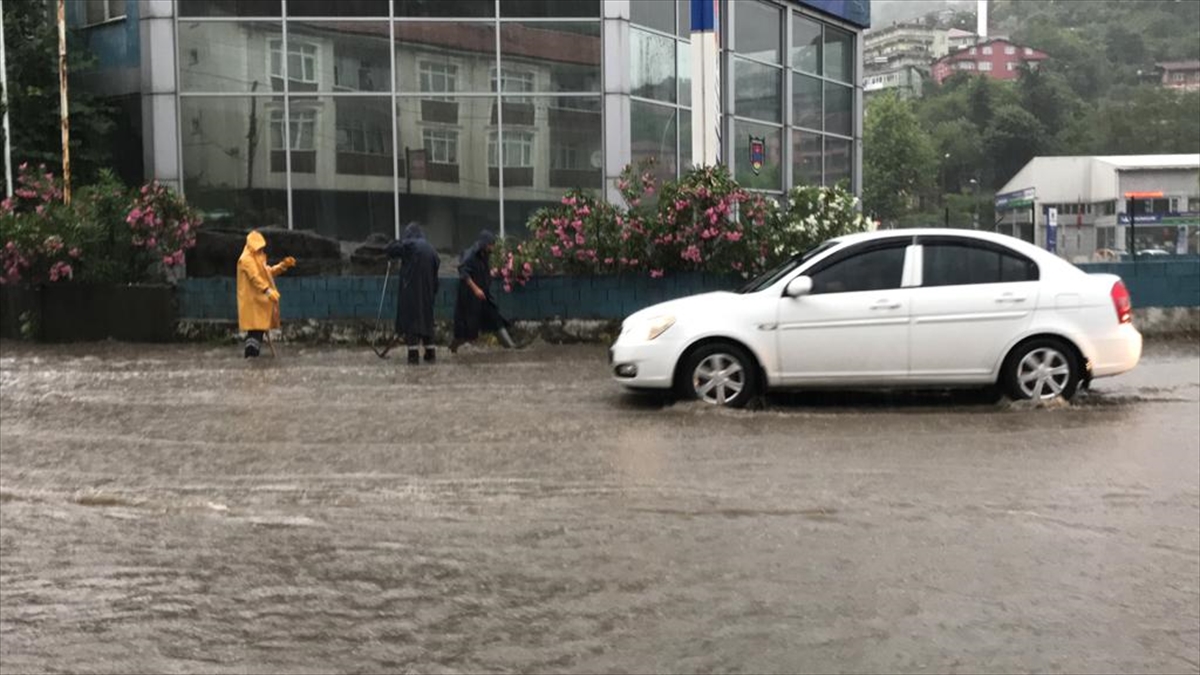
[
  {"x": 506, "y": 339},
  {"x": 430, "y": 355},
  {"x": 414, "y": 356}
]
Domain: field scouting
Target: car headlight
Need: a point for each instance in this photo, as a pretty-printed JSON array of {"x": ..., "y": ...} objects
[{"x": 659, "y": 325}]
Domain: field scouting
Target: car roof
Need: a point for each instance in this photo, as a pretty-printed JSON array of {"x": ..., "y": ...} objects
[{"x": 1002, "y": 239}]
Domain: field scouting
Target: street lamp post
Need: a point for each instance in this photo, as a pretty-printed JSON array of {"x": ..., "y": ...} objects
[
  {"x": 945, "y": 188},
  {"x": 974, "y": 203}
]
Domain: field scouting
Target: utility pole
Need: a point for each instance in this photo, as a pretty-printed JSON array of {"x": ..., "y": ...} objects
[
  {"x": 62, "y": 100},
  {"x": 8, "y": 186}
]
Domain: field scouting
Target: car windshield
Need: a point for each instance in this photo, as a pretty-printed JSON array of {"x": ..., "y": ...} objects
[{"x": 771, "y": 276}]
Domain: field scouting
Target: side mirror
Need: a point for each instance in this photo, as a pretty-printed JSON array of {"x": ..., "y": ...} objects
[{"x": 800, "y": 286}]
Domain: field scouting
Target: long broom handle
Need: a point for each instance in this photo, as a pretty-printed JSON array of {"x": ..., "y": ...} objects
[{"x": 382, "y": 296}]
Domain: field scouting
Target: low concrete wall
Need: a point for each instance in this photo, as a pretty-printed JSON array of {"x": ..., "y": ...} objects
[
  {"x": 322, "y": 298},
  {"x": 1156, "y": 283}
]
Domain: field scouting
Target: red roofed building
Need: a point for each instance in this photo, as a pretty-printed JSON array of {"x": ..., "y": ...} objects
[
  {"x": 998, "y": 59},
  {"x": 1183, "y": 75}
]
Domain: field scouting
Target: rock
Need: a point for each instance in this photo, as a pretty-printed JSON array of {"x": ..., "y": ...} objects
[
  {"x": 217, "y": 250},
  {"x": 371, "y": 257}
]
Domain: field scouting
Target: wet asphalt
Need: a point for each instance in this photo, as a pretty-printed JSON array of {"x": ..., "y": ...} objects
[{"x": 175, "y": 509}]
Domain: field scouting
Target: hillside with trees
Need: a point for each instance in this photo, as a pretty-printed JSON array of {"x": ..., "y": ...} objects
[{"x": 1098, "y": 93}]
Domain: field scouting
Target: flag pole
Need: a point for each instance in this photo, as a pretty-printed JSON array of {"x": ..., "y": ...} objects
[
  {"x": 8, "y": 185},
  {"x": 62, "y": 100}
]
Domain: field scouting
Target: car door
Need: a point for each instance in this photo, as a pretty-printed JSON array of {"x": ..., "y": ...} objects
[
  {"x": 853, "y": 326},
  {"x": 974, "y": 296}
]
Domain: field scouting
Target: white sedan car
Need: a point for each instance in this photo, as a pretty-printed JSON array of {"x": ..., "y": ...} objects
[{"x": 892, "y": 309}]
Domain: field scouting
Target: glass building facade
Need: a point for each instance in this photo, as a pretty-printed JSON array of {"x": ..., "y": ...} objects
[{"x": 353, "y": 117}]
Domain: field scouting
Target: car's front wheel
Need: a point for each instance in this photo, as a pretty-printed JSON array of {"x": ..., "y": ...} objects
[
  {"x": 720, "y": 374},
  {"x": 1042, "y": 369}
]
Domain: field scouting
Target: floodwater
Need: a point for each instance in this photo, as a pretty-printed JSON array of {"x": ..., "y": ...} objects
[{"x": 174, "y": 509}]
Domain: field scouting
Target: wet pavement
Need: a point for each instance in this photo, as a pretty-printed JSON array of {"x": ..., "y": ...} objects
[{"x": 175, "y": 509}]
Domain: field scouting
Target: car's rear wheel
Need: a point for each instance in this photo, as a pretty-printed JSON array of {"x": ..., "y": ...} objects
[
  {"x": 721, "y": 374},
  {"x": 1042, "y": 369}
]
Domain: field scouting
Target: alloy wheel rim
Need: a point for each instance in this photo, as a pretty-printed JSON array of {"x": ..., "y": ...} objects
[
  {"x": 1043, "y": 374},
  {"x": 719, "y": 379}
]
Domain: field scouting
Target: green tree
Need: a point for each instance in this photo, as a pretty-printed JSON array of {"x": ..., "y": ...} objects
[
  {"x": 1013, "y": 139},
  {"x": 1046, "y": 96},
  {"x": 959, "y": 148},
  {"x": 31, "y": 39},
  {"x": 898, "y": 161}
]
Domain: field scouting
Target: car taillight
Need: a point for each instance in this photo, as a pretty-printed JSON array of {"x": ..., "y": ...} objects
[{"x": 1122, "y": 303}]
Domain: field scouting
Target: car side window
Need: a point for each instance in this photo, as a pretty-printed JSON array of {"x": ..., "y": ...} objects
[
  {"x": 875, "y": 270},
  {"x": 947, "y": 264}
]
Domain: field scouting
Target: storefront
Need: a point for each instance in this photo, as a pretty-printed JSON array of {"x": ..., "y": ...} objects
[{"x": 352, "y": 117}]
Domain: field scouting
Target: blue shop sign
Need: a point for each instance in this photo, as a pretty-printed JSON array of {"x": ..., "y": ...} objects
[{"x": 857, "y": 12}]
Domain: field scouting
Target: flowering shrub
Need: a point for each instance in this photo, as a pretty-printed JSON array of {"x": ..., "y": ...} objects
[
  {"x": 163, "y": 224},
  {"x": 815, "y": 214},
  {"x": 105, "y": 234},
  {"x": 703, "y": 222},
  {"x": 39, "y": 239}
]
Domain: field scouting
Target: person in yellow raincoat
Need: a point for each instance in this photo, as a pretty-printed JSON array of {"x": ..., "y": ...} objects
[{"x": 258, "y": 299}]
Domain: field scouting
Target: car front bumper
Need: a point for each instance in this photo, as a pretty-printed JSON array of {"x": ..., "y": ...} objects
[{"x": 643, "y": 365}]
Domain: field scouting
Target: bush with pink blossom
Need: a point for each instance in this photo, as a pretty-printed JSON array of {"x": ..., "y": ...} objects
[{"x": 106, "y": 234}]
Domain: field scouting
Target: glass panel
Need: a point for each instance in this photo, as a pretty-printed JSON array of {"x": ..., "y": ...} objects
[
  {"x": 346, "y": 55},
  {"x": 684, "y": 72},
  {"x": 950, "y": 265},
  {"x": 191, "y": 8},
  {"x": 656, "y": 14},
  {"x": 806, "y": 45},
  {"x": 339, "y": 8},
  {"x": 756, "y": 91},
  {"x": 227, "y": 163},
  {"x": 342, "y": 166},
  {"x": 562, "y": 56},
  {"x": 561, "y": 149},
  {"x": 685, "y": 18},
  {"x": 652, "y": 135},
  {"x": 443, "y": 57},
  {"x": 839, "y": 54},
  {"x": 229, "y": 56},
  {"x": 806, "y": 101},
  {"x": 757, "y": 27},
  {"x": 652, "y": 65},
  {"x": 876, "y": 270},
  {"x": 443, "y": 169},
  {"x": 446, "y": 8},
  {"x": 806, "y": 158},
  {"x": 839, "y": 109},
  {"x": 758, "y": 144},
  {"x": 550, "y": 8},
  {"x": 838, "y": 162}
]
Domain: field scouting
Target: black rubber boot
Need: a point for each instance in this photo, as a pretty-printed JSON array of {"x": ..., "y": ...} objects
[
  {"x": 414, "y": 356},
  {"x": 430, "y": 355}
]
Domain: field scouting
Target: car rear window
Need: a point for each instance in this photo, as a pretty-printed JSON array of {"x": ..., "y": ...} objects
[{"x": 947, "y": 264}]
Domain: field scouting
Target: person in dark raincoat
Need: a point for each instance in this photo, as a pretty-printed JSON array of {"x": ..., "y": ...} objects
[
  {"x": 419, "y": 264},
  {"x": 475, "y": 310}
]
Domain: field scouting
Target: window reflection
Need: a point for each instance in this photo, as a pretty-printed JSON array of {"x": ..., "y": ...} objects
[
  {"x": 565, "y": 56},
  {"x": 652, "y": 65},
  {"x": 336, "y": 56},
  {"x": 226, "y": 160},
  {"x": 444, "y": 57},
  {"x": 229, "y": 57}
]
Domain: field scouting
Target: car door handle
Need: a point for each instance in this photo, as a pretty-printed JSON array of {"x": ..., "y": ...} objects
[
  {"x": 1010, "y": 298},
  {"x": 884, "y": 304}
]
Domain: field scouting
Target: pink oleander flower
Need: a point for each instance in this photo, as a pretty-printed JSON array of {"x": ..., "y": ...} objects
[
  {"x": 579, "y": 239},
  {"x": 556, "y": 251},
  {"x": 656, "y": 274},
  {"x": 608, "y": 261},
  {"x": 583, "y": 210},
  {"x": 733, "y": 236}
]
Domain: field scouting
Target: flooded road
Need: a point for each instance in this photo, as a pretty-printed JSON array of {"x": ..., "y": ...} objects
[{"x": 175, "y": 509}]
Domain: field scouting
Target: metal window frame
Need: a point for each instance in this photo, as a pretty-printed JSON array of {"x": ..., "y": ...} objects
[{"x": 393, "y": 94}]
